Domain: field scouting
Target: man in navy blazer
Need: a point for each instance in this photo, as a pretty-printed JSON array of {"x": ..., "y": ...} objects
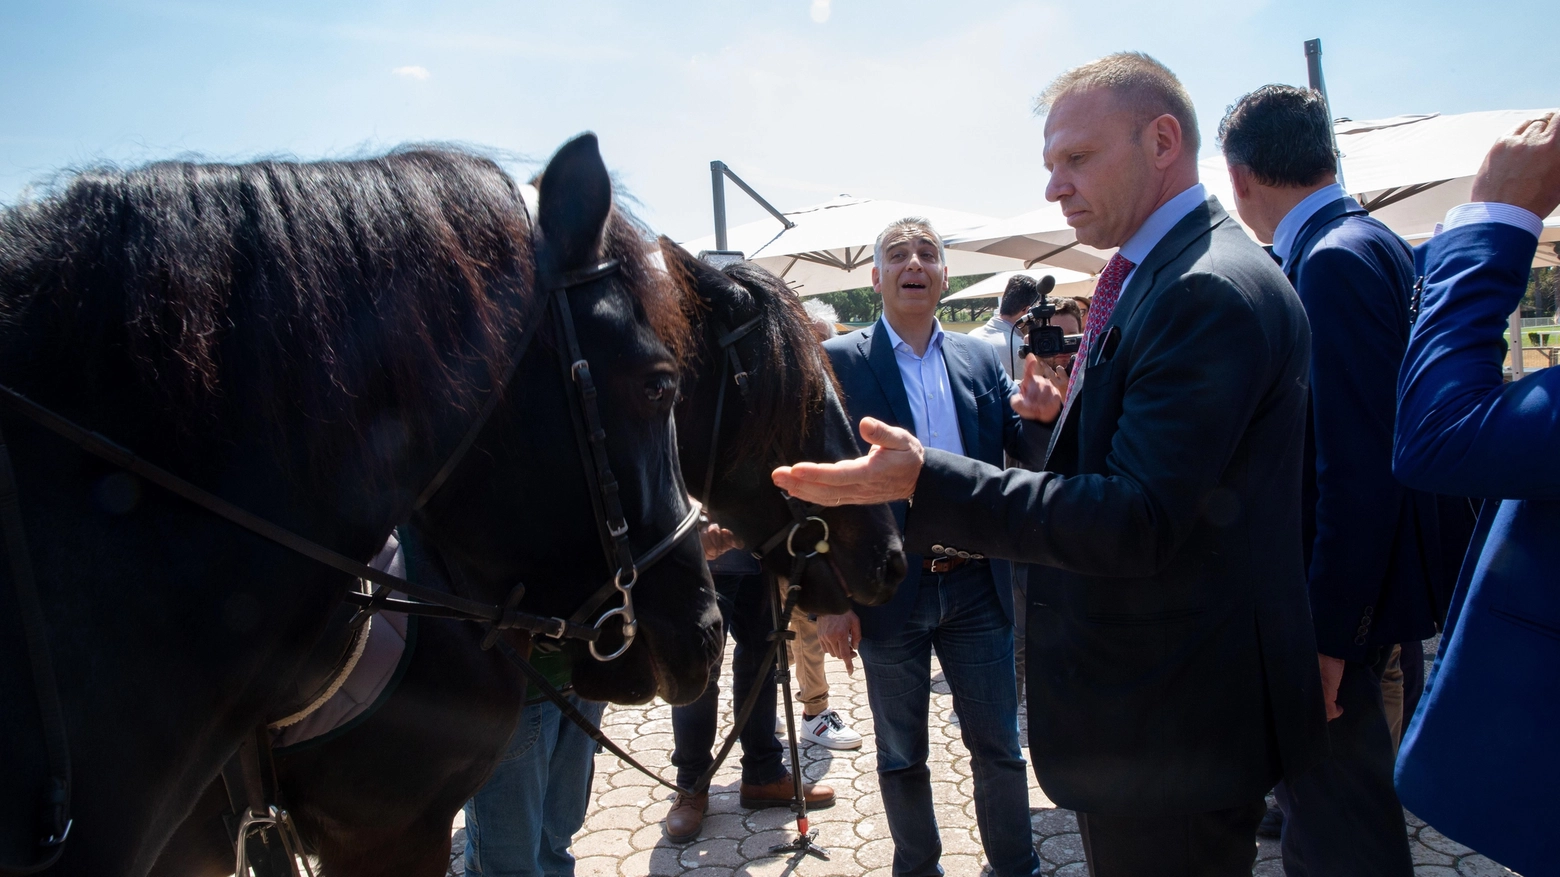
[
  {"x": 953, "y": 392},
  {"x": 1369, "y": 542},
  {"x": 1479, "y": 761}
]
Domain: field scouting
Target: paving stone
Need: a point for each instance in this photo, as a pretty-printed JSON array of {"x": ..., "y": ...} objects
[
  {"x": 1480, "y": 866},
  {"x": 651, "y": 863},
  {"x": 596, "y": 866},
  {"x": 720, "y": 851},
  {"x": 1062, "y": 849},
  {"x": 623, "y": 834},
  {"x": 1052, "y": 821}
]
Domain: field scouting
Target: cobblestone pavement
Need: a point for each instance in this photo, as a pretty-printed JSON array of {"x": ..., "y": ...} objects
[{"x": 622, "y": 836}]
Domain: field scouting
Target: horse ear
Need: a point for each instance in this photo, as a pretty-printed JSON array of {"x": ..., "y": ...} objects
[{"x": 575, "y": 198}]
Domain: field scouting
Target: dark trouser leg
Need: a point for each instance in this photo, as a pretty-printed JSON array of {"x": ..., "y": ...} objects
[
  {"x": 1342, "y": 817},
  {"x": 974, "y": 645},
  {"x": 751, "y": 624},
  {"x": 1020, "y": 575},
  {"x": 899, "y": 686},
  {"x": 1221, "y": 843}
]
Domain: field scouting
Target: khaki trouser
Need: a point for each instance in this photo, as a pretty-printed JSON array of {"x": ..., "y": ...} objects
[
  {"x": 812, "y": 687},
  {"x": 1392, "y": 695}
]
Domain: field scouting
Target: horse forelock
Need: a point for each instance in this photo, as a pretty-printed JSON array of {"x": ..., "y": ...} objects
[
  {"x": 656, "y": 291},
  {"x": 789, "y": 379},
  {"x": 330, "y": 290}
]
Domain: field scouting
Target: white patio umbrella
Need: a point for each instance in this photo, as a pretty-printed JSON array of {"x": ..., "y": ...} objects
[
  {"x": 1068, "y": 284},
  {"x": 1409, "y": 170},
  {"x": 1041, "y": 236},
  {"x": 830, "y": 246}
]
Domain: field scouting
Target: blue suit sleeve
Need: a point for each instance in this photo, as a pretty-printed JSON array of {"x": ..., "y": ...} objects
[
  {"x": 1460, "y": 430},
  {"x": 1358, "y": 318}
]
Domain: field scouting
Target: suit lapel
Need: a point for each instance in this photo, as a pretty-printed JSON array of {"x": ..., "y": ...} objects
[
  {"x": 961, "y": 384},
  {"x": 879, "y": 353},
  {"x": 1201, "y": 221}
]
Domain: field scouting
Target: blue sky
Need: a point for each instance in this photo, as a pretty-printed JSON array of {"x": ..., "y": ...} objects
[{"x": 914, "y": 100}]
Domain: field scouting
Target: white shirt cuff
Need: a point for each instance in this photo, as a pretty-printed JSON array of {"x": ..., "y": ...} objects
[{"x": 1494, "y": 211}]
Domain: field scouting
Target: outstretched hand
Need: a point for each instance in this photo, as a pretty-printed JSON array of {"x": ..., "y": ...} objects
[
  {"x": 1041, "y": 393},
  {"x": 888, "y": 471},
  {"x": 1523, "y": 168}
]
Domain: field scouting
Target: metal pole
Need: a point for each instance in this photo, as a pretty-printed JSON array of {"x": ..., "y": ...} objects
[
  {"x": 1515, "y": 325},
  {"x": 718, "y": 186},
  {"x": 784, "y": 220},
  {"x": 1313, "y": 68}
]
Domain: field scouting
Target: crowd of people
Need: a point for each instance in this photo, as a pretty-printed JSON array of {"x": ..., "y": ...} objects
[{"x": 1207, "y": 547}]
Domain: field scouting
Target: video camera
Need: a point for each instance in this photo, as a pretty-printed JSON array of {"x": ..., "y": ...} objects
[{"x": 1041, "y": 338}]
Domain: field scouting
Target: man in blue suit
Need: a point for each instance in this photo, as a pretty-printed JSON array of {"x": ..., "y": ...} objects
[
  {"x": 1368, "y": 540},
  {"x": 953, "y": 392},
  {"x": 1479, "y": 760}
]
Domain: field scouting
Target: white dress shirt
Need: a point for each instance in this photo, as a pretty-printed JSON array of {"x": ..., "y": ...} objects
[
  {"x": 1157, "y": 225},
  {"x": 1289, "y": 227},
  {"x": 998, "y": 332},
  {"x": 928, "y": 390}
]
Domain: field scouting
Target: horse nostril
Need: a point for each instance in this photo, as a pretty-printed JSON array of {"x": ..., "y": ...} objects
[{"x": 894, "y": 571}]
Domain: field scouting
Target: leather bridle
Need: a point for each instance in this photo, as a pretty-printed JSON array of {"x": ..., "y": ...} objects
[
  {"x": 605, "y": 499},
  {"x": 733, "y": 372}
]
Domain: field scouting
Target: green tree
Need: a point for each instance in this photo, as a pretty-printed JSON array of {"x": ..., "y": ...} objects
[
  {"x": 1542, "y": 298},
  {"x": 854, "y": 305}
]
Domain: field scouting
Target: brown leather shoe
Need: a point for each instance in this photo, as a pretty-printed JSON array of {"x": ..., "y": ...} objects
[
  {"x": 686, "y": 817},
  {"x": 779, "y": 792}
]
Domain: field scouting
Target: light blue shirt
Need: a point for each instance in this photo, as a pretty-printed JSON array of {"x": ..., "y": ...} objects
[
  {"x": 1289, "y": 227},
  {"x": 927, "y": 388},
  {"x": 1157, "y": 225}
]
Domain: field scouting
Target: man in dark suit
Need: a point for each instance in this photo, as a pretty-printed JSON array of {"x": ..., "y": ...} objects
[
  {"x": 1172, "y": 667},
  {"x": 952, "y": 391},
  {"x": 1367, "y": 539},
  {"x": 1478, "y": 761}
]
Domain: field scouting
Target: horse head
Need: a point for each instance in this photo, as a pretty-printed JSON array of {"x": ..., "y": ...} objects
[
  {"x": 496, "y": 521},
  {"x": 760, "y": 394}
]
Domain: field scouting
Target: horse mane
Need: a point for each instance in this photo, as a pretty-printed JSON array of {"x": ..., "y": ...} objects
[
  {"x": 334, "y": 290},
  {"x": 793, "y": 365}
]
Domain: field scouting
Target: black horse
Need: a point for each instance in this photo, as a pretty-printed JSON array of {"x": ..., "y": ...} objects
[
  {"x": 310, "y": 342},
  {"x": 378, "y": 800}
]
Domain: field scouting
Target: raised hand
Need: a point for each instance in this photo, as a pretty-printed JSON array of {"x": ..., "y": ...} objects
[
  {"x": 1523, "y": 168},
  {"x": 888, "y": 471},
  {"x": 1041, "y": 393}
]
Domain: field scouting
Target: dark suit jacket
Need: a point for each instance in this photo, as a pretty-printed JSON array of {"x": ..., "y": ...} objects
[
  {"x": 1479, "y": 760},
  {"x": 869, "y": 376},
  {"x": 1371, "y": 544},
  {"x": 1172, "y": 665}
]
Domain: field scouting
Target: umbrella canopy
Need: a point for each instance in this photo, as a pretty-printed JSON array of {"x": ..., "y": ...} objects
[
  {"x": 1068, "y": 284},
  {"x": 830, "y": 246},
  {"x": 1040, "y": 236},
  {"x": 1409, "y": 170}
]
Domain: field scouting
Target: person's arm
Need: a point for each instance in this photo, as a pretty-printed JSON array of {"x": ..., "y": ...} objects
[
  {"x": 1460, "y": 430},
  {"x": 1191, "y": 394},
  {"x": 1356, "y": 349}
]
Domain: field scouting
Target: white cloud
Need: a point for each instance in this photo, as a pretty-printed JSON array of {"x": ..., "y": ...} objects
[
  {"x": 412, "y": 72},
  {"x": 820, "y": 10}
]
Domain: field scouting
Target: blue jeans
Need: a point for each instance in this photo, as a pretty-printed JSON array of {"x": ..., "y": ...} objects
[
  {"x": 521, "y": 822},
  {"x": 958, "y": 614},
  {"x": 745, "y": 612}
]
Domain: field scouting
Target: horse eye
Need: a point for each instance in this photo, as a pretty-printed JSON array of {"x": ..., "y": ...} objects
[{"x": 657, "y": 389}]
